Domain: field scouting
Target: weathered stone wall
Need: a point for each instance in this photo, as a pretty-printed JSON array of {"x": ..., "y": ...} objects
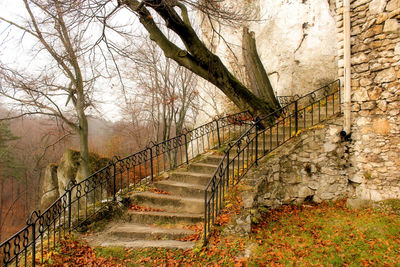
[
  {"x": 312, "y": 166},
  {"x": 375, "y": 49}
]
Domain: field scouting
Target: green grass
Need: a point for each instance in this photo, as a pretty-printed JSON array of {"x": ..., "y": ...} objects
[{"x": 327, "y": 235}]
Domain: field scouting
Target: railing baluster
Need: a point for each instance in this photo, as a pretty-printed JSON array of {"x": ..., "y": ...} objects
[{"x": 218, "y": 133}]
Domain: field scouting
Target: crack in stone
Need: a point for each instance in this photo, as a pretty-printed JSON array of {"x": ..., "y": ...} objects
[{"x": 304, "y": 27}]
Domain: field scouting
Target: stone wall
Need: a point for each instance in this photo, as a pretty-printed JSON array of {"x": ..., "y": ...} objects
[
  {"x": 375, "y": 53},
  {"x": 312, "y": 166}
]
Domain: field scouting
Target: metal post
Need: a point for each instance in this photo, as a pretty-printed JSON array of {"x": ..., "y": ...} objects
[
  {"x": 69, "y": 209},
  {"x": 186, "y": 148},
  {"x": 114, "y": 185},
  {"x": 227, "y": 168},
  {"x": 33, "y": 244},
  {"x": 151, "y": 163},
  {"x": 296, "y": 114},
  {"x": 205, "y": 218},
  {"x": 256, "y": 160},
  {"x": 218, "y": 134}
]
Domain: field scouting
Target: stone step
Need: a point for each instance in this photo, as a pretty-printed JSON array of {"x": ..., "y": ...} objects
[
  {"x": 181, "y": 188},
  {"x": 168, "y": 203},
  {"x": 170, "y": 244},
  {"x": 153, "y": 217},
  {"x": 202, "y": 168},
  {"x": 213, "y": 159},
  {"x": 190, "y": 177},
  {"x": 131, "y": 231}
]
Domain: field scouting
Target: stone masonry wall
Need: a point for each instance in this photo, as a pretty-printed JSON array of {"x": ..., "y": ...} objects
[
  {"x": 375, "y": 52},
  {"x": 312, "y": 166}
]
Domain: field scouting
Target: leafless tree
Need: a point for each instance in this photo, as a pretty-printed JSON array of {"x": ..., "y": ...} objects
[
  {"x": 168, "y": 91},
  {"x": 59, "y": 77}
]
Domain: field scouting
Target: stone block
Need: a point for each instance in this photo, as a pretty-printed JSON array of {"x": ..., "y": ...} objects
[
  {"x": 304, "y": 192},
  {"x": 328, "y": 147},
  {"x": 359, "y": 47},
  {"x": 381, "y": 126},
  {"x": 365, "y": 82},
  {"x": 375, "y": 93},
  {"x": 385, "y": 76},
  {"x": 393, "y": 5},
  {"x": 377, "y": 6},
  {"x": 359, "y": 58},
  {"x": 397, "y": 49},
  {"x": 360, "y": 95},
  {"x": 368, "y": 105},
  {"x": 361, "y": 67},
  {"x": 377, "y": 29},
  {"x": 392, "y": 25},
  {"x": 382, "y": 105}
]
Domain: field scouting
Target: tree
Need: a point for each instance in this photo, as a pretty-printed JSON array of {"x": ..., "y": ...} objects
[
  {"x": 7, "y": 165},
  {"x": 63, "y": 67},
  {"x": 195, "y": 56},
  {"x": 167, "y": 91}
]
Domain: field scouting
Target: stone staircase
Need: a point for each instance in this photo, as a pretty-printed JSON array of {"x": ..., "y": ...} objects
[{"x": 174, "y": 210}]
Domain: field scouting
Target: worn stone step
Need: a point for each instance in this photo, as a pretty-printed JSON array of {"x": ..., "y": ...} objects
[
  {"x": 190, "y": 177},
  {"x": 202, "y": 168},
  {"x": 168, "y": 202},
  {"x": 131, "y": 231},
  {"x": 153, "y": 217},
  {"x": 181, "y": 188},
  {"x": 170, "y": 244},
  {"x": 213, "y": 159}
]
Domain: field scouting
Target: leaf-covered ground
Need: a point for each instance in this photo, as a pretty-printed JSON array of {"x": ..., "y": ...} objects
[{"x": 305, "y": 235}]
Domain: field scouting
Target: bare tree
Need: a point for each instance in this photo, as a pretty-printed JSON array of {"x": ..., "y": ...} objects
[
  {"x": 168, "y": 91},
  {"x": 62, "y": 72},
  {"x": 194, "y": 55}
]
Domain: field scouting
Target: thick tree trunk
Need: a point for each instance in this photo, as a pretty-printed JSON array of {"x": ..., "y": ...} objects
[
  {"x": 259, "y": 81},
  {"x": 197, "y": 57},
  {"x": 84, "y": 146}
]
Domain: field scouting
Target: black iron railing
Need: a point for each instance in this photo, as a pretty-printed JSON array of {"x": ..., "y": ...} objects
[
  {"x": 85, "y": 199},
  {"x": 262, "y": 138}
]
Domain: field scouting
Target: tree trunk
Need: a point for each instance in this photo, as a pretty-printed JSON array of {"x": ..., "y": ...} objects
[
  {"x": 259, "y": 81},
  {"x": 84, "y": 145}
]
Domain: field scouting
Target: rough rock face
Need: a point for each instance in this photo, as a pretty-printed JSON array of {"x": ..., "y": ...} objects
[
  {"x": 296, "y": 41},
  {"x": 57, "y": 177},
  {"x": 67, "y": 168},
  {"x": 50, "y": 186},
  {"x": 297, "y": 44},
  {"x": 313, "y": 166}
]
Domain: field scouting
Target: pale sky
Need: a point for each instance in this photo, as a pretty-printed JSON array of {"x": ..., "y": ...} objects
[{"x": 17, "y": 51}]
